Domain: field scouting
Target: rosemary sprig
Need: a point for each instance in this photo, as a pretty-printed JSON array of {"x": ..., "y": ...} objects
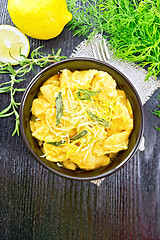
[
  {"x": 133, "y": 28},
  {"x": 17, "y": 74}
]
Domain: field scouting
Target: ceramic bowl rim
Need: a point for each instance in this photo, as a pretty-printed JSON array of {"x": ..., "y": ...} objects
[{"x": 27, "y": 91}]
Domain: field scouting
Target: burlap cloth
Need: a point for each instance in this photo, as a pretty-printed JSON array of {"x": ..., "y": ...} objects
[{"x": 88, "y": 48}]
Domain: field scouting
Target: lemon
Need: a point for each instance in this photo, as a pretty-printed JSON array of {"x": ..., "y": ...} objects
[
  {"x": 11, "y": 41},
  {"x": 41, "y": 19}
]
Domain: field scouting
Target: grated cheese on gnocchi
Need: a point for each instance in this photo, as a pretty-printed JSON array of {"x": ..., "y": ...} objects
[{"x": 81, "y": 119}]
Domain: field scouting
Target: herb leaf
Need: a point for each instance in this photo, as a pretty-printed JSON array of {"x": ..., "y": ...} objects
[
  {"x": 157, "y": 128},
  {"x": 84, "y": 94},
  {"x": 59, "y": 108},
  {"x": 157, "y": 112},
  {"x": 57, "y": 144},
  {"x": 79, "y": 135},
  {"x": 100, "y": 121}
]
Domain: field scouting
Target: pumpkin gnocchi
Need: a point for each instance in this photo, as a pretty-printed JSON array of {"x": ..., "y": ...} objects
[{"x": 81, "y": 119}]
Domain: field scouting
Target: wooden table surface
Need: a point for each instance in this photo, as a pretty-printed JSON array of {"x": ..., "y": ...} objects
[{"x": 36, "y": 204}]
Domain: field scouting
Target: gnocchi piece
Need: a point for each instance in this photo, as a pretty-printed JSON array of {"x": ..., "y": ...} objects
[
  {"x": 41, "y": 131},
  {"x": 53, "y": 153},
  {"x": 106, "y": 84},
  {"x": 39, "y": 106},
  {"x": 50, "y": 92},
  {"x": 77, "y": 79},
  {"x": 68, "y": 164},
  {"x": 121, "y": 120},
  {"x": 53, "y": 80},
  {"x": 121, "y": 97},
  {"x": 116, "y": 142},
  {"x": 86, "y": 160},
  {"x": 103, "y": 80}
]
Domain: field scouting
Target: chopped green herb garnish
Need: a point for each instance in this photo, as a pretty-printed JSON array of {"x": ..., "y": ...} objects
[
  {"x": 79, "y": 135},
  {"x": 84, "y": 94},
  {"x": 57, "y": 144},
  {"x": 59, "y": 108},
  {"x": 100, "y": 121}
]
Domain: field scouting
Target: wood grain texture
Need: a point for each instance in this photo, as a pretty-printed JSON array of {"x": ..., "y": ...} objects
[{"x": 35, "y": 204}]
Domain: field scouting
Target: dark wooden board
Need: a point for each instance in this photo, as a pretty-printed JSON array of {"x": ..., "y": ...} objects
[{"x": 35, "y": 204}]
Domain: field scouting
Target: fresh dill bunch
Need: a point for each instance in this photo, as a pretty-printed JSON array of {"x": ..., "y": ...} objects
[
  {"x": 87, "y": 16},
  {"x": 133, "y": 28},
  {"x": 134, "y": 31},
  {"x": 17, "y": 75}
]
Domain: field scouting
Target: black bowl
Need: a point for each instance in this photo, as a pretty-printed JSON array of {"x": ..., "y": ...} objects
[{"x": 82, "y": 64}]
